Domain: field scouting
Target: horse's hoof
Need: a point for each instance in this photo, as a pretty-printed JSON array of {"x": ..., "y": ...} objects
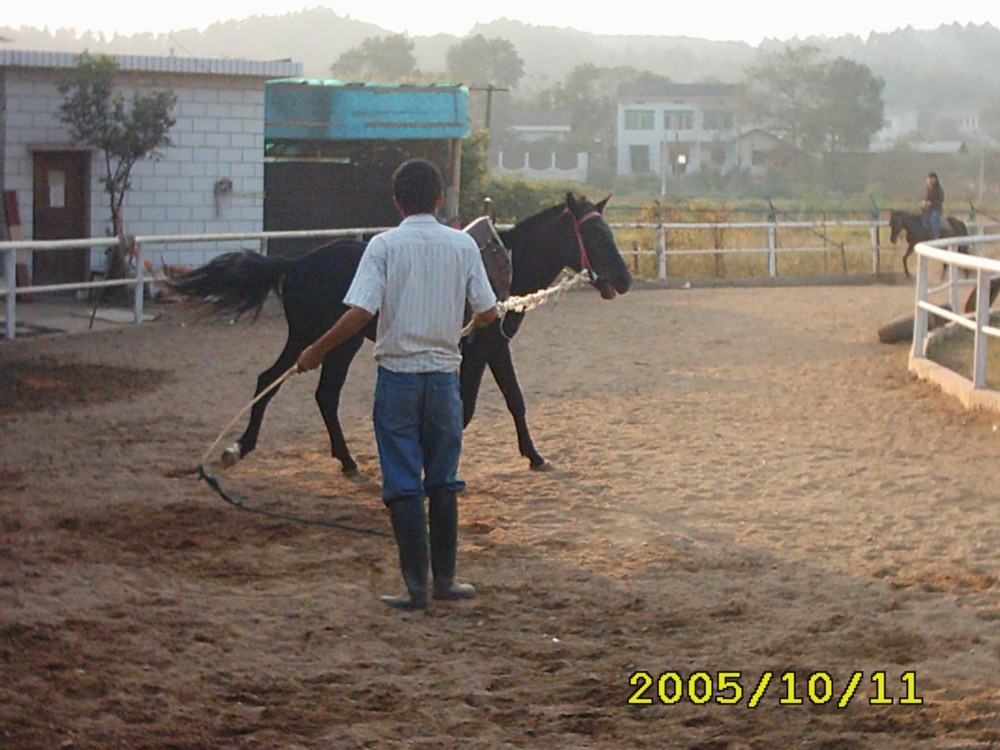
[
  {"x": 350, "y": 473},
  {"x": 543, "y": 466},
  {"x": 231, "y": 456}
]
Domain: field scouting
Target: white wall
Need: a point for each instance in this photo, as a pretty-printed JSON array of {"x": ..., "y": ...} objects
[{"x": 219, "y": 134}]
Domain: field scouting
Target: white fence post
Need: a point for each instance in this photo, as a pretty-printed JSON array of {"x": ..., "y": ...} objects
[
  {"x": 10, "y": 278},
  {"x": 982, "y": 319},
  {"x": 920, "y": 317},
  {"x": 140, "y": 282},
  {"x": 772, "y": 250},
  {"x": 661, "y": 252},
  {"x": 874, "y": 238}
]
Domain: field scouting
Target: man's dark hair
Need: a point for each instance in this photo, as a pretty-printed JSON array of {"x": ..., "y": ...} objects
[{"x": 417, "y": 185}]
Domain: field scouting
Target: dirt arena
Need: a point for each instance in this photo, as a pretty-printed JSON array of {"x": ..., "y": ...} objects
[{"x": 746, "y": 483}]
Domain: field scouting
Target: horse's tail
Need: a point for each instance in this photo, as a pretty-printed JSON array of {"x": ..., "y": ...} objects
[{"x": 233, "y": 283}]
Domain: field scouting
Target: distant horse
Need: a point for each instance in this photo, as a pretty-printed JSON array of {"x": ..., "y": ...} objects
[
  {"x": 312, "y": 287},
  {"x": 916, "y": 230}
]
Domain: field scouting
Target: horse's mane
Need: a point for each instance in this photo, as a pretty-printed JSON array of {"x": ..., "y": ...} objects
[{"x": 543, "y": 217}]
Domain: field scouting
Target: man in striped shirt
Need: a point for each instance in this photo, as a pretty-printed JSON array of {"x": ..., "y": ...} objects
[{"x": 417, "y": 278}]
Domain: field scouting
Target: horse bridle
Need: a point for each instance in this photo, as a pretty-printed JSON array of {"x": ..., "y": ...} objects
[{"x": 584, "y": 257}]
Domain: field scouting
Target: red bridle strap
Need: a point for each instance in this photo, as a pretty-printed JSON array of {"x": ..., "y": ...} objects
[{"x": 584, "y": 258}]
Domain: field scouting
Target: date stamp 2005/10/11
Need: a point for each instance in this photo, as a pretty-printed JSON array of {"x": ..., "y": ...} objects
[{"x": 790, "y": 688}]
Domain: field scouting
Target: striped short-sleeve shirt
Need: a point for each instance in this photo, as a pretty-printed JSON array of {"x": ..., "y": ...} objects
[{"x": 417, "y": 277}]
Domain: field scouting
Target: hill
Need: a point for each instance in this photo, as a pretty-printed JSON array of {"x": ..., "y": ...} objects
[{"x": 952, "y": 66}]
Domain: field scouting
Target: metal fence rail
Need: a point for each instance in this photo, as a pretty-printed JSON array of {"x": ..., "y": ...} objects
[
  {"x": 141, "y": 245},
  {"x": 658, "y": 235},
  {"x": 985, "y": 269}
]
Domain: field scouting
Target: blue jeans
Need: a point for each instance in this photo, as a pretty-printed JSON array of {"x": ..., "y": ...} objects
[
  {"x": 935, "y": 219},
  {"x": 418, "y": 429}
]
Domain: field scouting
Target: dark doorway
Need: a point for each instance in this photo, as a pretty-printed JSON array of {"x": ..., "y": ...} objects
[{"x": 60, "y": 208}]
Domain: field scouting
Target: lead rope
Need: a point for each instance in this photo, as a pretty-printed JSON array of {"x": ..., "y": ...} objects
[
  {"x": 212, "y": 482},
  {"x": 535, "y": 299}
]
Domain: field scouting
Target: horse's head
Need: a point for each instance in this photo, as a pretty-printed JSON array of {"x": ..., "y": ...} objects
[{"x": 596, "y": 249}]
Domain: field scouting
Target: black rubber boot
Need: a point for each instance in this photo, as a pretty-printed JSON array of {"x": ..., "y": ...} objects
[
  {"x": 409, "y": 524},
  {"x": 444, "y": 546}
]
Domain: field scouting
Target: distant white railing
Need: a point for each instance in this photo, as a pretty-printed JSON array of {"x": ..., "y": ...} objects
[
  {"x": 141, "y": 246},
  {"x": 659, "y": 234},
  {"x": 985, "y": 269}
]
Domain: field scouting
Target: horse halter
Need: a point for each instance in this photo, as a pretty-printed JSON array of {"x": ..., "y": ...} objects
[{"x": 584, "y": 257}]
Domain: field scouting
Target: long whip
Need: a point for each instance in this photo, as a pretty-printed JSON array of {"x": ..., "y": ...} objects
[{"x": 294, "y": 369}]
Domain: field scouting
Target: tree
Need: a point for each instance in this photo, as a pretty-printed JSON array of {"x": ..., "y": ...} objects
[
  {"x": 388, "y": 58},
  {"x": 480, "y": 60},
  {"x": 781, "y": 91},
  {"x": 849, "y": 110},
  {"x": 814, "y": 103},
  {"x": 99, "y": 117}
]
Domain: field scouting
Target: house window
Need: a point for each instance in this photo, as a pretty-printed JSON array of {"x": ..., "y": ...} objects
[
  {"x": 639, "y": 119},
  {"x": 639, "y": 158},
  {"x": 678, "y": 120},
  {"x": 758, "y": 157},
  {"x": 718, "y": 155},
  {"x": 717, "y": 119}
]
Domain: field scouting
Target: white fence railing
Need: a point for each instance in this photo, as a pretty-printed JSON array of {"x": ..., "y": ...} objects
[
  {"x": 658, "y": 234},
  {"x": 141, "y": 245},
  {"x": 985, "y": 270},
  {"x": 820, "y": 235}
]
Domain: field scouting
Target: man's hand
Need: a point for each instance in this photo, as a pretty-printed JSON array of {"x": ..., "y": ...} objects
[
  {"x": 309, "y": 359},
  {"x": 349, "y": 324}
]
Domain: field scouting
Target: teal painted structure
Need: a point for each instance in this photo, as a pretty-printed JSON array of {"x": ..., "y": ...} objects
[{"x": 301, "y": 109}]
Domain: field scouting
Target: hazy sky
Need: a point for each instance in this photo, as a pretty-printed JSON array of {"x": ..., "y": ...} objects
[{"x": 723, "y": 20}]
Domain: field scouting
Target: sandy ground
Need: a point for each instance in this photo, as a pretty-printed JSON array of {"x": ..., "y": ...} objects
[{"x": 746, "y": 483}]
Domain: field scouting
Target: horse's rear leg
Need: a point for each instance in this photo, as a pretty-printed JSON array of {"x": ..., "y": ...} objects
[
  {"x": 331, "y": 382},
  {"x": 247, "y": 442},
  {"x": 502, "y": 366}
]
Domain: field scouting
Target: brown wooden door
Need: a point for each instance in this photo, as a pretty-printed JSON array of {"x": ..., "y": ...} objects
[{"x": 61, "y": 205}]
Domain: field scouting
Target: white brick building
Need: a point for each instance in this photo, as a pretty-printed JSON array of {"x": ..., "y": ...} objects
[
  {"x": 676, "y": 128},
  {"x": 210, "y": 180}
]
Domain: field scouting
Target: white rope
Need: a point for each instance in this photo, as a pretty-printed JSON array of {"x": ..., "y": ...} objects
[
  {"x": 535, "y": 299},
  {"x": 293, "y": 370}
]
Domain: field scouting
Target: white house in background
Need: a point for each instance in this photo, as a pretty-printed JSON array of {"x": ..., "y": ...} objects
[
  {"x": 552, "y": 171},
  {"x": 675, "y": 128},
  {"x": 531, "y": 126},
  {"x": 899, "y": 123},
  {"x": 756, "y": 150},
  {"x": 210, "y": 180}
]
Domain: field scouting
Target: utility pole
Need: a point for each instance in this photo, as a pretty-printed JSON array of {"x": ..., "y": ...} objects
[{"x": 489, "y": 88}]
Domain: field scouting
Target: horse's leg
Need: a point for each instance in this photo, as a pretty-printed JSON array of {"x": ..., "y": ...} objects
[
  {"x": 907, "y": 254},
  {"x": 470, "y": 378},
  {"x": 502, "y": 366},
  {"x": 331, "y": 382},
  {"x": 248, "y": 440}
]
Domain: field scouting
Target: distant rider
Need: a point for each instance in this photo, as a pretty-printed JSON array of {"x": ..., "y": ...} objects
[{"x": 934, "y": 203}]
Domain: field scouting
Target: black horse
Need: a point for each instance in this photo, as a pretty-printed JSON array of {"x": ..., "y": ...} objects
[
  {"x": 571, "y": 234},
  {"x": 917, "y": 230}
]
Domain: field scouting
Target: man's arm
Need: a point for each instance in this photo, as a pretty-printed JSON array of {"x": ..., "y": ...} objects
[
  {"x": 484, "y": 318},
  {"x": 349, "y": 324}
]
